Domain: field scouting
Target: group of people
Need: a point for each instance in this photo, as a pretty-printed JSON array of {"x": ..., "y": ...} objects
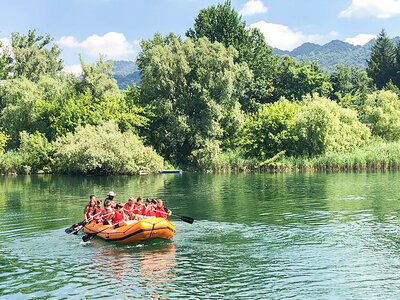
[{"x": 135, "y": 209}]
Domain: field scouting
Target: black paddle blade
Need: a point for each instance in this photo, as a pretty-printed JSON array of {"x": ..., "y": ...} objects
[
  {"x": 70, "y": 229},
  {"x": 187, "y": 220},
  {"x": 88, "y": 237}
]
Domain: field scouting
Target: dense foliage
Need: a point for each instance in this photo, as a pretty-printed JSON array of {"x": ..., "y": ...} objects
[
  {"x": 103, "y": 149},
  {"x": 217, "y": 100}
]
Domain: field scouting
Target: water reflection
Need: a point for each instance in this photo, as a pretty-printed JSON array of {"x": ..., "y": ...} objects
[{"x": 132, "y": 269}]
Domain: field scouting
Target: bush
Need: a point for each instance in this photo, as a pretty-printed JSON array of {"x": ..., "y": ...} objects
[
  {"x": 382, "y": 114},
  {"x": 323, "y": 126},
  {"x": 12, "y": 162},
  {"x": 270, "y": 130},
  {"x": 103, "y": 149},
  {"x": 38, "y": 151}
]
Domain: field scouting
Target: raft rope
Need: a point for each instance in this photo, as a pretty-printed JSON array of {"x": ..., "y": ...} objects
[{"x": 151, "y": 232}]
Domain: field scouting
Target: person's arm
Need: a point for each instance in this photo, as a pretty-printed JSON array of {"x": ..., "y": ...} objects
[
  {"x": 111, "y": 216},
  {"x": 169, "y": 212},
  {"x": 85, "y": 211}
]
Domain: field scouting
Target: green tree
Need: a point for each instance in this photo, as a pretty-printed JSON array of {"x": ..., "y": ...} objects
[
  {"x": 33, "y": 56},
  {"x": 3, "y": 141},
  {"x": 97, "y": 78},
  {"x": 381, "y": 64},
  {"x": 297, "y": 79},
  {"x": 382, "y": 114},
  {"x": 223, "y": 24},
  {"x": 192, "y": 86},
  {"x": 349, "y": 80}
]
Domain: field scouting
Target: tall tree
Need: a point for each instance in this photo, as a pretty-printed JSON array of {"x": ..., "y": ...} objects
[
  {"x": 381, "y": 64},
  {"x": 97, "y": 78},
  {"x": 223, "y": 24},
  {"x": 34, "y": 56},
  {"x": 349, "y": 80},
  {"x": 193, "y": 87},
  {"x": 396, "y": 80},
  {"x": 297, "y": 79}
]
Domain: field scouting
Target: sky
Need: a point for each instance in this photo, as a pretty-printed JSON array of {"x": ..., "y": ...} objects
[{"x": 116, "y": 27}]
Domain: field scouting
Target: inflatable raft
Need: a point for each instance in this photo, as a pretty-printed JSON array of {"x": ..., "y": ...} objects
[{"x": 134, "y": 231}]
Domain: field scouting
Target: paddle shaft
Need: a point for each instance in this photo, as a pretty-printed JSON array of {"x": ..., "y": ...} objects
[{"x": 184, "y": 219}]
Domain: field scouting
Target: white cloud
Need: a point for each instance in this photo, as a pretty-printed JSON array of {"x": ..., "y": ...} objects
[
  {"x": 282, "y": 37},
  {"x": 5, "y": 44},
  {"x": 74, "y": 69},
  {"x": 381, "y": 9},
  {"x": 360, "y": 39},
  {"x": 333, "y": 33},
  {"x": 113, "y": 44},
  {"x": 253, "y": 7}
]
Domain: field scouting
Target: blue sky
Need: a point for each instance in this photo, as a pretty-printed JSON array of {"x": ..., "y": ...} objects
[{"x": 115, "y": 27}]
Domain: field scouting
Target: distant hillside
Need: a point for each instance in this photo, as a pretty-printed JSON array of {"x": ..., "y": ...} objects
[
  {"x": 125, "y": 72},
  {"x": 333, "y": 53}
]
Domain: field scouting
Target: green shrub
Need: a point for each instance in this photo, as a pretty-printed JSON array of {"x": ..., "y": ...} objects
[
  {"x": 270, "y": 130},
  {"x": 324, "y": 126},
  {"x": 38, "y": 151},
  {"x": 12, "y": 162},
  {"x": 103, "y": 149},
  {"x": 382, "y": 114}
]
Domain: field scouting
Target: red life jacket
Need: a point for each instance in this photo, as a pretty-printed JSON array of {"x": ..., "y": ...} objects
[
  {"x": 127, "y": 209},
  {"x": 161, "y": 213},
  {"x": 109, "y": 211},
  {"x": 118, "y": 217},
  {"x": 136, "y": 210},
  {"x": 89, "y": 213},
  {"x": 143, "y": 210},
  {"x": 150, "y": 212},
  {"x": 97, "y": 213}
]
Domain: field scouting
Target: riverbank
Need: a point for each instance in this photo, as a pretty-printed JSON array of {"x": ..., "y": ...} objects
[{"x": 375, "y": 156}]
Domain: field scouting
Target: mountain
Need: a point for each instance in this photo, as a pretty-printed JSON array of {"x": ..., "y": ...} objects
[
  {"x": 125, "y": 72},
  {"x": 333, "y": 53}
]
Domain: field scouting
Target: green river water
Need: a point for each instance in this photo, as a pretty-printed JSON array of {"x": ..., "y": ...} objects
[{"x": 255, "y": 236}]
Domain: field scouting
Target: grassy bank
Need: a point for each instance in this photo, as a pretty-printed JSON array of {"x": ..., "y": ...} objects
[{"x": 375, "y": 156}]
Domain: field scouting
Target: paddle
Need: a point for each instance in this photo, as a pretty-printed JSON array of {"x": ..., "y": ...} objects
[
  {"x": 74, "y": 229},
  {"x": 75, "y": 226},
  {"x": 184, "y": 219}
]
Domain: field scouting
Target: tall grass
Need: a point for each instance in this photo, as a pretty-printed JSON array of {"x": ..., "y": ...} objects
[{"x": 375, "y": 156}]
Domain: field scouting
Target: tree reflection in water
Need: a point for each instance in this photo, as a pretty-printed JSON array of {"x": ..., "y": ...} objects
[{"x": 136, "y": 268}]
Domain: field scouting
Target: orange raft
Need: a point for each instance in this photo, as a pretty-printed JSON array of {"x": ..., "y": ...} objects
[{"x": 134, "y": 231}]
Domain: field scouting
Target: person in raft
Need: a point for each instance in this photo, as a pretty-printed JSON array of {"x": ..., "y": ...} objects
[
  {"x": 148, "y": 209},
  {"x": 90, "y": 208},
  {"x": 118, "y": 215},
  {"x": 107, "y": 212},
  {"x": 110, "y": 196},
  {"x": 161, "y": 211},
  {"x": 129, "y": 206},
  {"x": 137, "y": 208}
]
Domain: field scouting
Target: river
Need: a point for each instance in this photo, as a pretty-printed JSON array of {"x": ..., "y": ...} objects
[{"x": 275, "y": 236}]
